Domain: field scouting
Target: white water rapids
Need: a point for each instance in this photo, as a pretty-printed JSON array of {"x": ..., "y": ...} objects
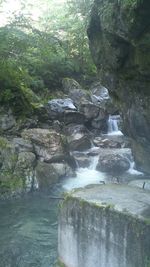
[
  {"x": 113, "y": 128},
  {"x": 85, "y": 176}
]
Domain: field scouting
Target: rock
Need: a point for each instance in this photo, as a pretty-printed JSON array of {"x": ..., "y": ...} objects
[
  {"x": 26, "y": 160},
  {"x": 100, "y": 122},
  {"x": 7, "y": 120},
  {"x": 73, "y": 117},
  {"x": 107, "y": 143},
  {"x": 99, "y": 91},
  {"x": 60, "y": 105},
  {"x": 17, "y": 174},
  {"x": 25, "y": 169},
  {"x": 119, "y": 42},
  {"x": 56, "y": 107},
  {"x": 69, "y": 85},
  {"x": 22, "y": 145},
  {"x": 79, "y": 95},
  {"x": 49, "y": 174},
  {"x": 63, "y": 169},
  {"x": 100, "y": 96},
  {"x": 89, "y": 109},
  {"x": 115, "y": 161},
  {"x": 48, "y": 144},
  {"x": 46, "y": 175},
  {"x": 82, "y": 160},
  {"x": 78, "y": 137}
]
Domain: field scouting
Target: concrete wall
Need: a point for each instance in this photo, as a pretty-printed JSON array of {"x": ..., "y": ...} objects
[{"x": 97, "y": 234}]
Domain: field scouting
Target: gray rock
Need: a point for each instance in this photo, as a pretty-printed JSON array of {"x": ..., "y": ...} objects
[
  {"x": 22, "y": 145},
  {"x": 100, "y": 122},
  {"x": 82, "y": 160},
  {"x": 69, "y": 85},
  {"x": 60, "y": 105},
  {"x": 89, "y": 109},
  {"x": 78, "y": 137},
  {"x": 100, "y": 92},
  {"x": 48, "y": 174},
  {"x": 71, "y": 116},
  {"x": 114, "y": 30},
  {"x": 106, "y": 143},
  {"x": 25, "y": 169},
  {"x": 79, "y": 95},
  {"x": 48, "y": 144},
  {"x": 7, "y": 120},
  {"x": 114, "y": 163}
]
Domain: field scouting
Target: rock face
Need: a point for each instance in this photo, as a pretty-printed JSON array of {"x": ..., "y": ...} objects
[
  {"x": 7, "y": 120},
  {"x": 17, "y": 164},
  {"x": 115, "y": 164},
  {"x": 47, "y": 144},
  {"x": 119, "y": 34},
  {"x": 105, "y": 225}
]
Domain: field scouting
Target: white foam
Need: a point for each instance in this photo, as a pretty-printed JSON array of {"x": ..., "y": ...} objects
[
  {"x": 85, "y": 176},
  {"x": 132, "y": 169}
]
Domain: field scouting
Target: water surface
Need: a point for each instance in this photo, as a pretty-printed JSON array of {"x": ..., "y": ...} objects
[{"x": 28, "y": 231}]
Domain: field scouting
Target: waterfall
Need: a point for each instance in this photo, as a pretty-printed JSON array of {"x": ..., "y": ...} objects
[
  {"x": 85, "y": 176},
  {"x": 132, "y": 170},
  {"x": 113, "y": 128}
]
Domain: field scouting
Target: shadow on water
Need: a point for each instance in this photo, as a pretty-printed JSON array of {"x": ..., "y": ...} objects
[{"x": 28, "y": 230}]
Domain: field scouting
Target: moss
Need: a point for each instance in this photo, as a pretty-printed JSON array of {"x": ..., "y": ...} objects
[
  {"x": 11, "y": 184},
  {"x": 59, "y": 263},
  {"x": 4, "y": 143}
]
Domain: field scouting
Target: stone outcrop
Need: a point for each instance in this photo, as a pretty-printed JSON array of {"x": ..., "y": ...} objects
[
  {"x": 17, "y": 168},
  {"x": 48, "y": 144},
  {"x": 114, "y": 161},
  {"x": 119, "y": 34},
  {"x": 49, "y": 174},
  {"x": 7, "y": 119},
  {"x": 105, "y": 225},
  {"x": 78, "y": 137}
]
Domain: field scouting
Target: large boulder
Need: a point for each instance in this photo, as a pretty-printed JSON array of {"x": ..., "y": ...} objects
[
  {"x": 69, "y": 85},
  {"x": 22, "y": 145},
  {"x": 25, "y": 169},
  {"x": 71, "y": 116},
  {"x": 16, "y": 169},
  {"x": 7, "y": 119},
  {"x": 79, "y": 95},
  {"x": 78, "y": 137},
  {"x": 101, "y": 97},
  {"x": 83, "y": 160},
  {"x": 89, "y": 109},
  {"x": 114, "y": 161},
  {"x": 111, "y": 141},
  {"x": 119, "y": 41},
  {"x": 48, "y": 174},
  {"x": 48, "y": 144},
  {"x": 56, "y": 107}
]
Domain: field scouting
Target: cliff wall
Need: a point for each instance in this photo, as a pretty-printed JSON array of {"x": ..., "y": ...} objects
[{"x": 119, "y": 36}]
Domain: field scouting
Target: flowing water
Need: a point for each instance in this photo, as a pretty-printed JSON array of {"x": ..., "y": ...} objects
[
  {"x": 28, "y": 231},
  {"x": 28, "y": 226},
  {"x": 113, "y": 128}
]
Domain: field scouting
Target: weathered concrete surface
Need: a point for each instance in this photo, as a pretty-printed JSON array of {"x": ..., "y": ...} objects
[{"x": 105, "y": 226}]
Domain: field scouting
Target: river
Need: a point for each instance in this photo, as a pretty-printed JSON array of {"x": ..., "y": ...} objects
[{"x": 28, "y": 231}]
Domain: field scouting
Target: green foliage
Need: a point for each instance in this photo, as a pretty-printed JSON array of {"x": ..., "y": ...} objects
[{"x": 35, "y": 57}]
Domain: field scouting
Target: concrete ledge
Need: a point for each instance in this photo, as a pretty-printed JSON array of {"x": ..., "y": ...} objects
[{"x": 105, "y": 226}]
